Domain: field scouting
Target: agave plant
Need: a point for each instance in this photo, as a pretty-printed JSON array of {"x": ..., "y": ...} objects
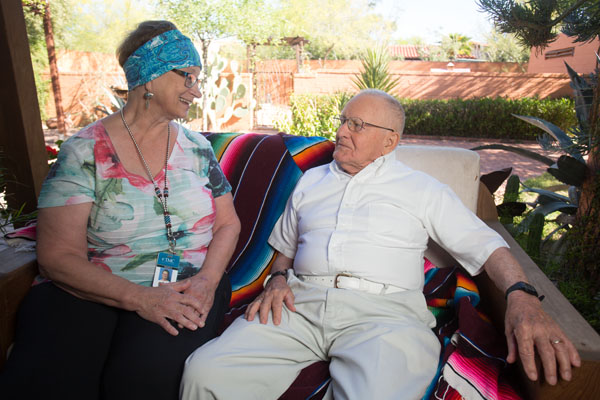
[
  {"x": 570, "y": 168},
  {"x": 375, "y": 74}
]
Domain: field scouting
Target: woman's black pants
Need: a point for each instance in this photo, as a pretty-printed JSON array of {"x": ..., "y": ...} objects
[{"x": 68, "y": 348}]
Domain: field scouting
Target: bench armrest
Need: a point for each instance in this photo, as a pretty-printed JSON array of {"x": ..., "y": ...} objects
[
  {"x": 586, "y": 379},
  {"x": 16, "y": 275}
]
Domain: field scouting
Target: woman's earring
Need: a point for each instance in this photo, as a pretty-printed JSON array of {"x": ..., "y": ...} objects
[{"x": 148, "y": 96}]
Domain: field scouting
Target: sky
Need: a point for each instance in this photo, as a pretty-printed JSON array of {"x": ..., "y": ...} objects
[{"x": 431, "y": 19}]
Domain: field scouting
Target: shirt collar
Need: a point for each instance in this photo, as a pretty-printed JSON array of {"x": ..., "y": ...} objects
[{"x": 376, "y": 168}]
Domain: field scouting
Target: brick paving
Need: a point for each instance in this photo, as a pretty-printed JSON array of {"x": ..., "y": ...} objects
[{"x": 493, "y": 160}]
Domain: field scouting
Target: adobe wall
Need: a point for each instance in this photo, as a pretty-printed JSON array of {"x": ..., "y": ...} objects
[
  {"x": 583, "y": 59},
  {"x": 445, "y": 85},
  {"x": 86, "y": 78},
  {"x": 394, "y": 66}
]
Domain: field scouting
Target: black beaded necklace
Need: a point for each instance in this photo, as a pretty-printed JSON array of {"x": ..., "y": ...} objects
[{"x": 161, "y": 196}]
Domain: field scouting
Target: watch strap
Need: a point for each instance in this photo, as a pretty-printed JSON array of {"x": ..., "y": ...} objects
[
  {"x": 525, "y": 287},
  {"x": 274, "y": 274}
]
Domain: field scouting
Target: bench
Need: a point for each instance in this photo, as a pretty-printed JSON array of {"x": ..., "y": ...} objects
[{"x": 265, "y": 168}]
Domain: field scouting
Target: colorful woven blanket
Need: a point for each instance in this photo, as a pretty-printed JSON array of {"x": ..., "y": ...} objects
[
  {"x": 263, "y": 170},
  {"x": 472, "y": 363}
]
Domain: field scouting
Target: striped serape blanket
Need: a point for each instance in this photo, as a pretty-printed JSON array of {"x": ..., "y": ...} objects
[
  {"x": 472, "y": 362},
  {"x": 263, "y": 171}
]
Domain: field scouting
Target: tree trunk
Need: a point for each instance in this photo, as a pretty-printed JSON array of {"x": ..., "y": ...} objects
[
  {"x": 252, "y": 70},
  {"x": 205, "y": 44},
  {"x": 584, "y": 238},
  {"x": 60, "y": 114},
  {"x": 327, "y": 52}
]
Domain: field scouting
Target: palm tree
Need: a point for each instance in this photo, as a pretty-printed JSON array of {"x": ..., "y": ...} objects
[{"x": 456, "y": 45}]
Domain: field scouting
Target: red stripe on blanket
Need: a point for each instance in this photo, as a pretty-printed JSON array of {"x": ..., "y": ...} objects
[
  {"x": 311, "y": 155},
  {"x": 481, "y": 375},
  {"x": 232, "y": 152},
  {"x": 253, "y": 289}
]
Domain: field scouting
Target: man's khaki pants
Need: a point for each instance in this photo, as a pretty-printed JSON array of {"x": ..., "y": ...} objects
[{"x": 380, "y": 347}]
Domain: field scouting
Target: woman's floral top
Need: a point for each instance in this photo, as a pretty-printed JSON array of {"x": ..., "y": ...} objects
[{"x": 126, "y": 229}]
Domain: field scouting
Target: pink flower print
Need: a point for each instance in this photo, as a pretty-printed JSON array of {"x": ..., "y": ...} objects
[
  {"x": 206, "y": 223},
  {"x": 103, "y": 266},
  {"x": 194, "y": 253},
  {"x": 118, "y": 250},
  {"x": 109, "y": 166},
  {"x": 97, "y": 257}
]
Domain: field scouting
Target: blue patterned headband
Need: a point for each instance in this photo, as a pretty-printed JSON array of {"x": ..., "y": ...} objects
[{"x": 159, "y": 55}]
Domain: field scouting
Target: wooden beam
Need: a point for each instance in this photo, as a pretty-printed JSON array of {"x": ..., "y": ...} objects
[{"x": 21, "y": 134}]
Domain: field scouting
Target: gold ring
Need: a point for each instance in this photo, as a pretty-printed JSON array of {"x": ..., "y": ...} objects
[{"x": 557, "y": 341}]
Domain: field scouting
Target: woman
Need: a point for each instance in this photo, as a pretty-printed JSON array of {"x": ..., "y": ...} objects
[{"x": 129, "y": 195}]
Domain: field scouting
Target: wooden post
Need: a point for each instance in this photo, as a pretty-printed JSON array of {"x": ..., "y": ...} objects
[
  {"x": 21, "y": 134},
  {"x": 298, "y": 58}
]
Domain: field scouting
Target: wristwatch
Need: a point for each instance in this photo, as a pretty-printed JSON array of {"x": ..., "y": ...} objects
[
  {"x": 274, "y": 274},
  {"x": 524, "y": 286}
]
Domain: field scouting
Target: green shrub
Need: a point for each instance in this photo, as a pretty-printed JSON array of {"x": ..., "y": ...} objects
[
  {"x": 485, "y": 117},
  {"x": 478, "y": 118},
  {"x": 314, "y": 115}
]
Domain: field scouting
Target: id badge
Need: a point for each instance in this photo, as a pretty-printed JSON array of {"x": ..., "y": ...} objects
[
  {"x": 166, "y": 270},
  {"x": 167, "y": 260}
]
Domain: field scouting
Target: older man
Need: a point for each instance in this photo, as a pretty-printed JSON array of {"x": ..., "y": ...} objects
[{"x": 347, "y": 282}]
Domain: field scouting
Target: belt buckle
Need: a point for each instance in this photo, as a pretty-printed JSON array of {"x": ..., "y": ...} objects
[{"x": 335, "y": 280}]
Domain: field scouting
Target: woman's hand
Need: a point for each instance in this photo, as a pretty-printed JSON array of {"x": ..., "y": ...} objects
[
  {"x": 171, "y": 302},
  {"x": 203, "y": 290}
]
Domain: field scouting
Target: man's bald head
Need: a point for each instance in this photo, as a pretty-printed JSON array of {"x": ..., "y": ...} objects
[{"x": 395, "y": 108}]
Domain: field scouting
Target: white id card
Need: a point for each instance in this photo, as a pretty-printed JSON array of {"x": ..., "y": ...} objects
[
  {"x": 164, "y": 275},
  {"x": 166, "y": 268}
]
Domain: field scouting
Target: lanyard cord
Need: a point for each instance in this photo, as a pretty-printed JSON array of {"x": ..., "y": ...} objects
[{"x": 161, "y": 196}]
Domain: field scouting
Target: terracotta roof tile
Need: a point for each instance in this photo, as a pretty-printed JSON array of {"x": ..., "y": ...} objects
[{"x": 407, "y": 51}]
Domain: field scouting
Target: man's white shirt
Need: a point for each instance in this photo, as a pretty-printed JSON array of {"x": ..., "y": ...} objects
[{"x": 376, "y": 224}]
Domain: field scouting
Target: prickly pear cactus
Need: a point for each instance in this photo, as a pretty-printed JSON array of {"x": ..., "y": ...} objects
[
  {"x": 225, "y": 93},
  {"x": 511, "y": 194},
  {"x": 534, "y": 236}
]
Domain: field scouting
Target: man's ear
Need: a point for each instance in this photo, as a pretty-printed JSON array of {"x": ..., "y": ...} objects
[{"x": 391, "y": 141}]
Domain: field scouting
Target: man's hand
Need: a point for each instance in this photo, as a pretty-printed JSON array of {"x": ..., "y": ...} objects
[
  {"x": 169, "y": 302},
  {"x": 276, "y": 293},
  {"x": 528, "y": 327}
]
